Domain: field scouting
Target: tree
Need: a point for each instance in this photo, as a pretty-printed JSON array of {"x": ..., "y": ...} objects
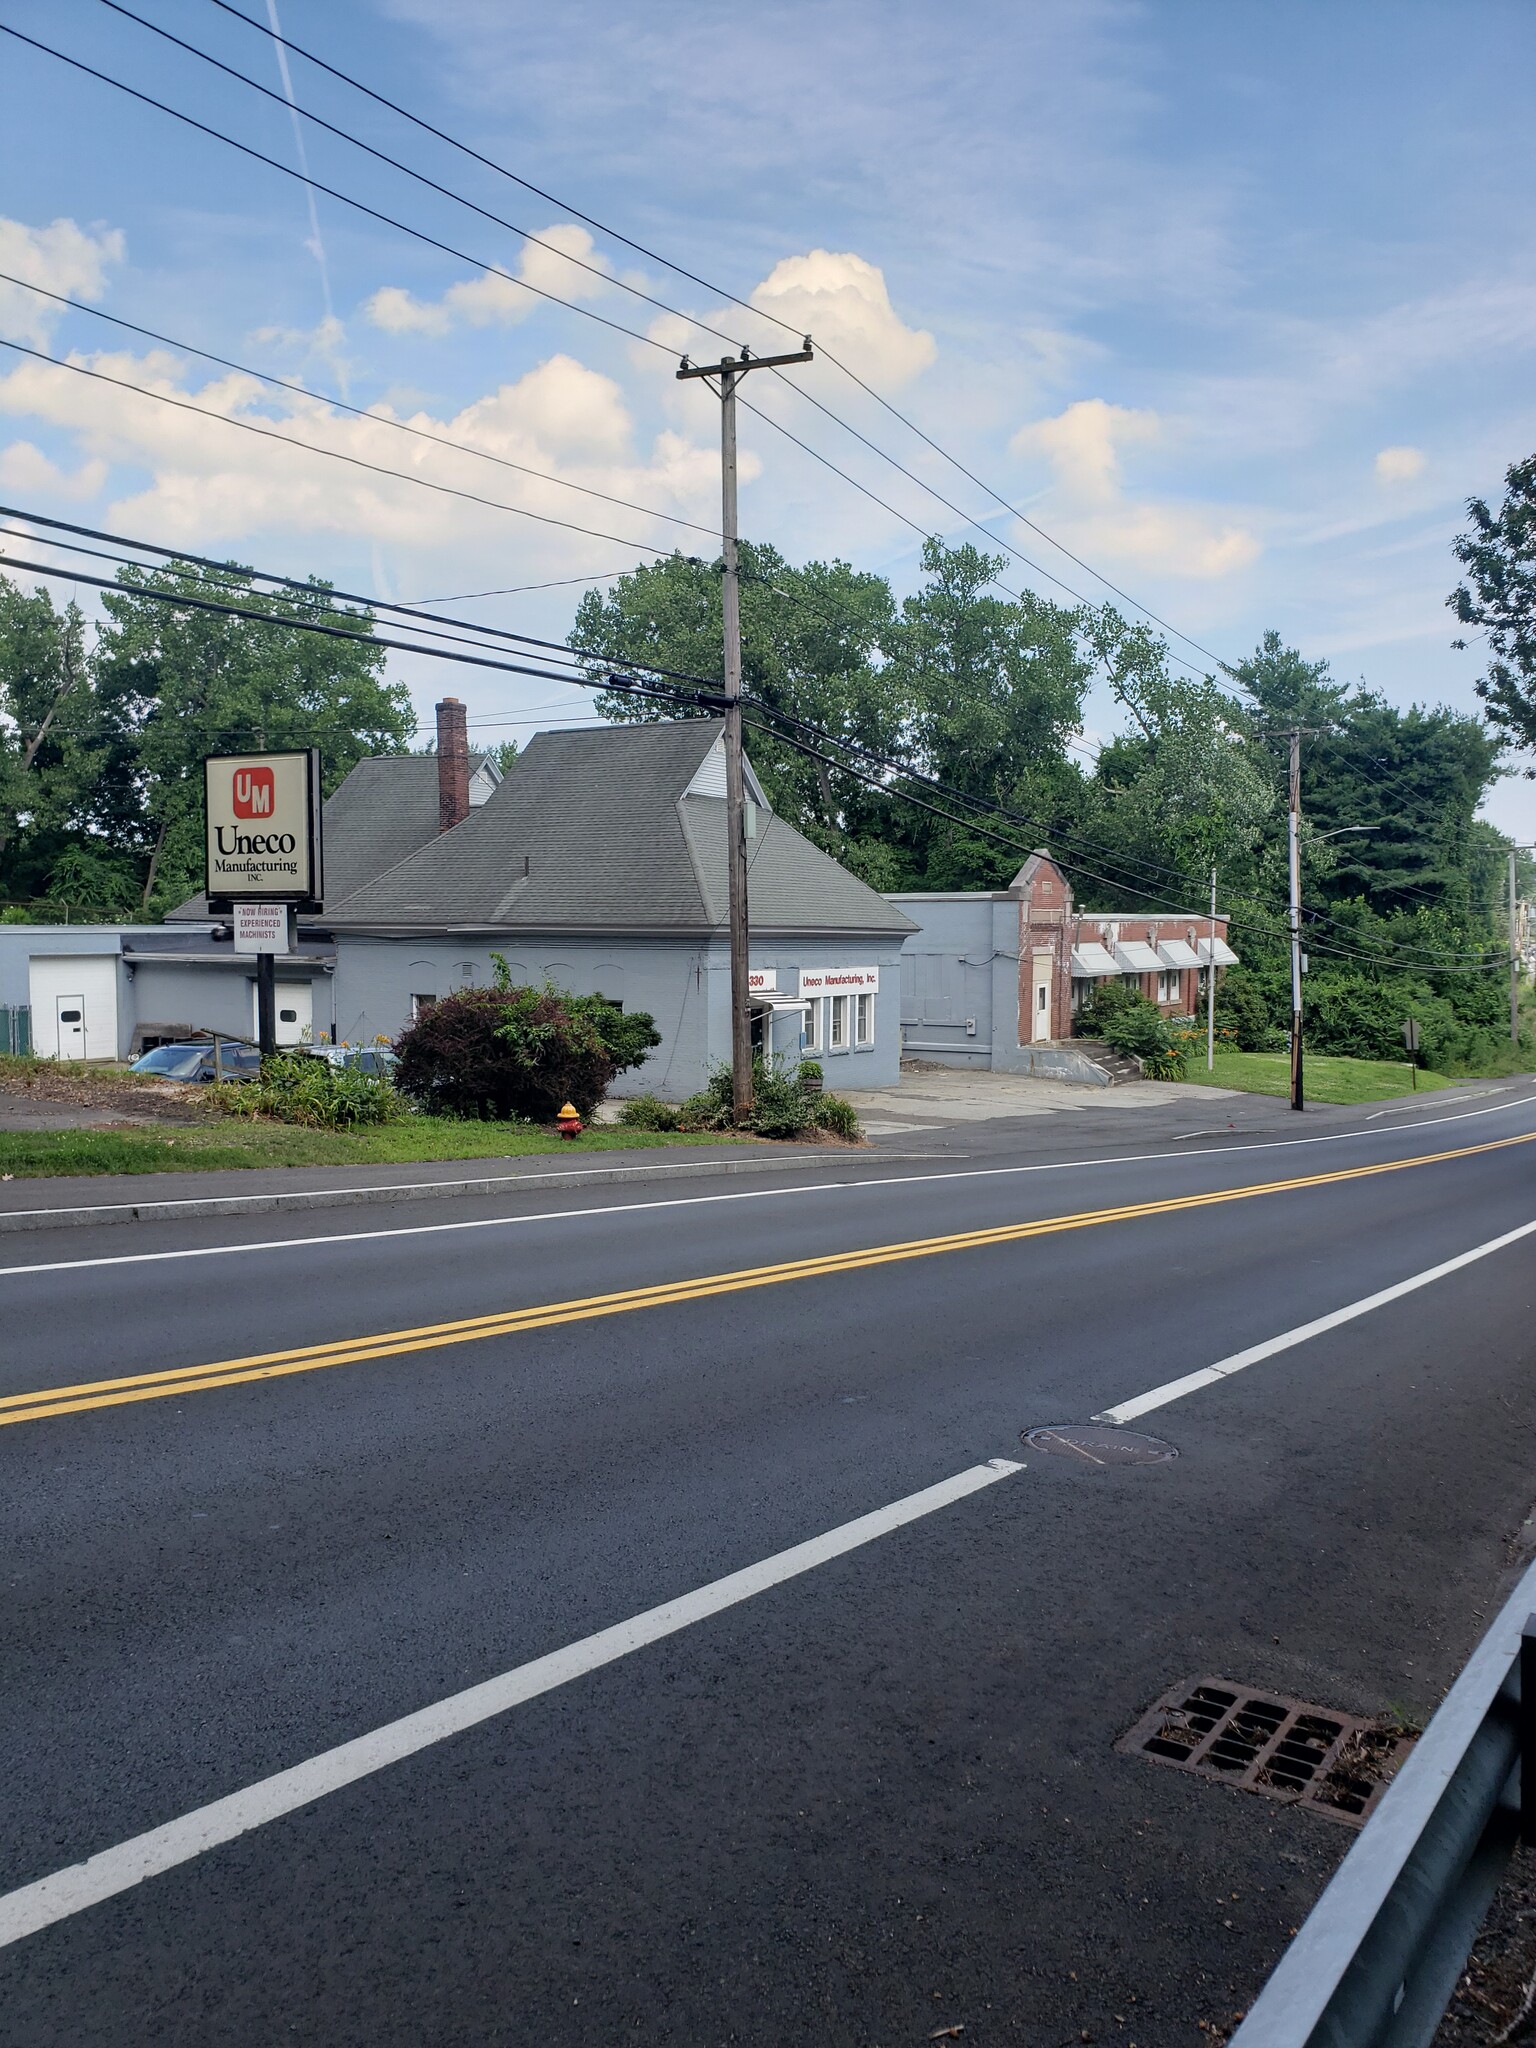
[
  {"x": 1499, "y": 596},
  {"x": 45, "y": 707},
  {"x": 812, "y": 643},
  {"x": 996, "y": 686},
  {"x": 1417, "y": 777},
  {"x": 173, "y": 684},
  {"x": 1185, "y": 789}
]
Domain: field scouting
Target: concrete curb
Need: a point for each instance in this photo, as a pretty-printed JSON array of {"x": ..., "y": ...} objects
[{"x": 188, "y": 1207}]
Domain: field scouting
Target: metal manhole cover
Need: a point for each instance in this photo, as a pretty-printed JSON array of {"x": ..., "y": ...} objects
[
  {"x": 1338, "y": 1764},
  {"x": 1100, "y": 1446}
]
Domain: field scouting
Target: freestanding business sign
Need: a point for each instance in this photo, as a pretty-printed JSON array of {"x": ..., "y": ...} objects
[
  {"x": 262, "y": 817},
  {"x": 263, "y": 822}
]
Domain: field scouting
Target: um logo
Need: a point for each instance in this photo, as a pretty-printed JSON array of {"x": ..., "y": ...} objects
[{"x": 255, "y": 792}]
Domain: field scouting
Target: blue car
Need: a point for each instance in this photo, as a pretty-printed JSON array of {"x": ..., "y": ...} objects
[{"x": 194, "y": 1062}]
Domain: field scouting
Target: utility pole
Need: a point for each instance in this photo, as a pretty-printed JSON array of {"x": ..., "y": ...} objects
[
  {"x": 1210, "y": 989},
  {"x": 1514, "y": 955},
  {"x": 1297, "y": 1099},
  {"x": 723, "y": 377}
]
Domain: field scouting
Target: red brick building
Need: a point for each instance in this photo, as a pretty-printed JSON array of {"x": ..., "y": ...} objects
[{"x": 996, "y": 978}]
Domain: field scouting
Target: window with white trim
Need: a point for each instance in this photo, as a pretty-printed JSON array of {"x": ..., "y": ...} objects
[
  {"x": 837, "y": 1035},
  {"x": 813, "y": 1025},
  {"x": 1169, "y": 983},
  {"x": 864, "y": 1020}
]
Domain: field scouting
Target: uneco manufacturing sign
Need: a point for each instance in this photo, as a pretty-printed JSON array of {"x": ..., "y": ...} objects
[{"x": 263, "y": 814}]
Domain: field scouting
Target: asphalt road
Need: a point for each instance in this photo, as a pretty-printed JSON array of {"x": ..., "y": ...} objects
[{"x": 869, "y": 1802}]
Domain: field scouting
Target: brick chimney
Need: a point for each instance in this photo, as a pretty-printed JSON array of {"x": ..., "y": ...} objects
[{"x": 452, "y": 765}]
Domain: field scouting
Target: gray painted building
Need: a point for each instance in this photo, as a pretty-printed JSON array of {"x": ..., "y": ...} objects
[
  {"x": 995, "y": 978},
  {"x": 598, "y": 864}
]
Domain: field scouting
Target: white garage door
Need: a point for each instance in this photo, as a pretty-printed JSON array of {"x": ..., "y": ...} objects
[{"x": 74, "y": 1005}]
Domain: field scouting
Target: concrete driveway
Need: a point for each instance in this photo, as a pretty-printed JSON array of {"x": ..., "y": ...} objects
[{"x": 930, "y": 1096}]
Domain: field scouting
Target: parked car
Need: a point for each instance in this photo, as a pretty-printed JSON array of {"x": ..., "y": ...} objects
[
  {"x": 358, "y": 1059},
  {"x": 194, "y": 1061}
]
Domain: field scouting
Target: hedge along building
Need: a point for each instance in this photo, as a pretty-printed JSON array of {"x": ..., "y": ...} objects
[
  {"x": 995, "y": 979},
  {"x": 598, "y": 865}
]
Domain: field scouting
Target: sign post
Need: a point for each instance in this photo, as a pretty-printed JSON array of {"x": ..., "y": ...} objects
[
  {"x": 262, "y": 817},
  {"x": 1411, "y": 1040}
]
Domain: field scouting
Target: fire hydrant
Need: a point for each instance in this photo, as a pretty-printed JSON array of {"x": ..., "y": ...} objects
[{"x": 568, "y": 1123}]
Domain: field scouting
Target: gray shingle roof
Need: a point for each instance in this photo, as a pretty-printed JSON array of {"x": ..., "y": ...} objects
[
  {"x": 385, "y": 809},
  {"x": 592, "y": 831}
]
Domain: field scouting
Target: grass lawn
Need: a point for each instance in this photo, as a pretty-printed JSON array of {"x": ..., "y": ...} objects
[
  {"x": 1325, "y": 1079},
  {"x": 26, "y": 1154}
]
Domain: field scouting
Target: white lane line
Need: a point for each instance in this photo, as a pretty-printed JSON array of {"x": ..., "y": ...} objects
[
  {"x": 818, "y": 1187},
  {"x": 69, "y": 1891},
  {"x": 1208, "y": 1375}
]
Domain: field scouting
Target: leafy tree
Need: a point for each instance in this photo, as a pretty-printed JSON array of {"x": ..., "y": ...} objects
[
  {"x": 45, "y": 706},
  {"x": 1416, "y": 777},
  {"x": 173, "y": 684},
  {"x": 1499, "y": 555},
  {"x": 996, "y": 686},
  {"x": 507, "y": 1052},
  {"x": 811, "y": 641}
]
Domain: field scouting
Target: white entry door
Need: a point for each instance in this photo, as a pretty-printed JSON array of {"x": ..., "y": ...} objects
[
  {"x": 295, "y": 1012},
  {"x": 1040, "y": 999},
  {"x": 69, "y": 1013}
]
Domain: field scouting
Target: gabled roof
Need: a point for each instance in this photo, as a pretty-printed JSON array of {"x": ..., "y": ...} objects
[
  {"x": 597, "y": 831},
  {"x": 385, "y": 809}
]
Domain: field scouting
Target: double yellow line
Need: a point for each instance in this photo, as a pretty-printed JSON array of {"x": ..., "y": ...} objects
[{"x": 271, "y": 1365}]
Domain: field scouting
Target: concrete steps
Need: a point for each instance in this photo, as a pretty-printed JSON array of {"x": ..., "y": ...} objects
[{"x": 1119, "y": 1066}]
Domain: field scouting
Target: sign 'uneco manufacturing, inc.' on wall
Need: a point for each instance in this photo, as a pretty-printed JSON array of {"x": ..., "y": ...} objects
[{"x": 263, "y": 813}]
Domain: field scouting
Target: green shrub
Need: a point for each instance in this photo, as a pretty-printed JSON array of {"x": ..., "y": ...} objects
[
  {"x": 837, "y": 1116},
  {"x": 1163, "y": 1066},
  {"x": 1242, "y": 1010},
  {"x": 1138, "y": 1028},
  {"x": 809, "y": 1073},
  {"x": 648, "y": 1113},
  {"x": 1105, "y": 1001},
  {"x": 781, "y": 1108},
  {"x": 506, "y": 1052},
  {"x": 295, "y": 1088}
]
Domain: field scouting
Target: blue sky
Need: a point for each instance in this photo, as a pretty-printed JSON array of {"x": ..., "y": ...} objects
[{"x": 1238, "y": 302}]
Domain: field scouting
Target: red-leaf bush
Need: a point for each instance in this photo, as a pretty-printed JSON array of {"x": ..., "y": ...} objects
[{"x": 507, "y": 1052}]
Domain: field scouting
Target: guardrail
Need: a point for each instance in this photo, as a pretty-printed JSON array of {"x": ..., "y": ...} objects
[{"x": 1376, "y": 1961}]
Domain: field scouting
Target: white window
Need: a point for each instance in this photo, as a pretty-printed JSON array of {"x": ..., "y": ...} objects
[
  {"x": 838, "y": 1039},
  {"x": 420, "y": 1004},
  {"x": 864, "y": 1020},
  {"x": 813, "y": 1025},
  {"x": 1168, "y": 985}
]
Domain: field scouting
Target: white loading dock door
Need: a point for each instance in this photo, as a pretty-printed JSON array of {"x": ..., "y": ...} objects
[
  {"x": 295, "y": 1008},
  {"x": 74, "y": 1005}
]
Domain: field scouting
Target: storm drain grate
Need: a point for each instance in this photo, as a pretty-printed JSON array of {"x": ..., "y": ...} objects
[{"x": 1336, "y": 1763}]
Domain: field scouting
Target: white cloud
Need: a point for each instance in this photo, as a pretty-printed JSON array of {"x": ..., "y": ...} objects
[
  {"x": 210, "y": 485},
  {"x": 1083, "y": 446},
  {"x": 1090, "y": 508},
  {"x": 842, "y": 301},
  {"x": 61, "y": 258},
  {"x": 491, "y": 299},
  {"x": 25, "y": 468},
  {"x": 1399, "y": 465}
]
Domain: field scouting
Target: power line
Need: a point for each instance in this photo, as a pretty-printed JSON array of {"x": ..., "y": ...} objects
[
  {"x": 555, "y": 649},
  {"x": 747, "y": 306},
  {"x": 662, "y": 306},
  {"x": 571, "y": 305},
  {"x": 703, "y": 696},
  {"x": 343, "y": 198},
  {"x": 331, "y": 454},
  {"x": 361, "y": 412}
]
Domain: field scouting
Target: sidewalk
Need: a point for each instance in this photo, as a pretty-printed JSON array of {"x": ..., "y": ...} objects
[{"x": 87, "y": 1199}]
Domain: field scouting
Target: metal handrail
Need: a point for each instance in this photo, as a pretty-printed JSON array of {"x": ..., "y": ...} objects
[{"x": 1377, "y": 1959}]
